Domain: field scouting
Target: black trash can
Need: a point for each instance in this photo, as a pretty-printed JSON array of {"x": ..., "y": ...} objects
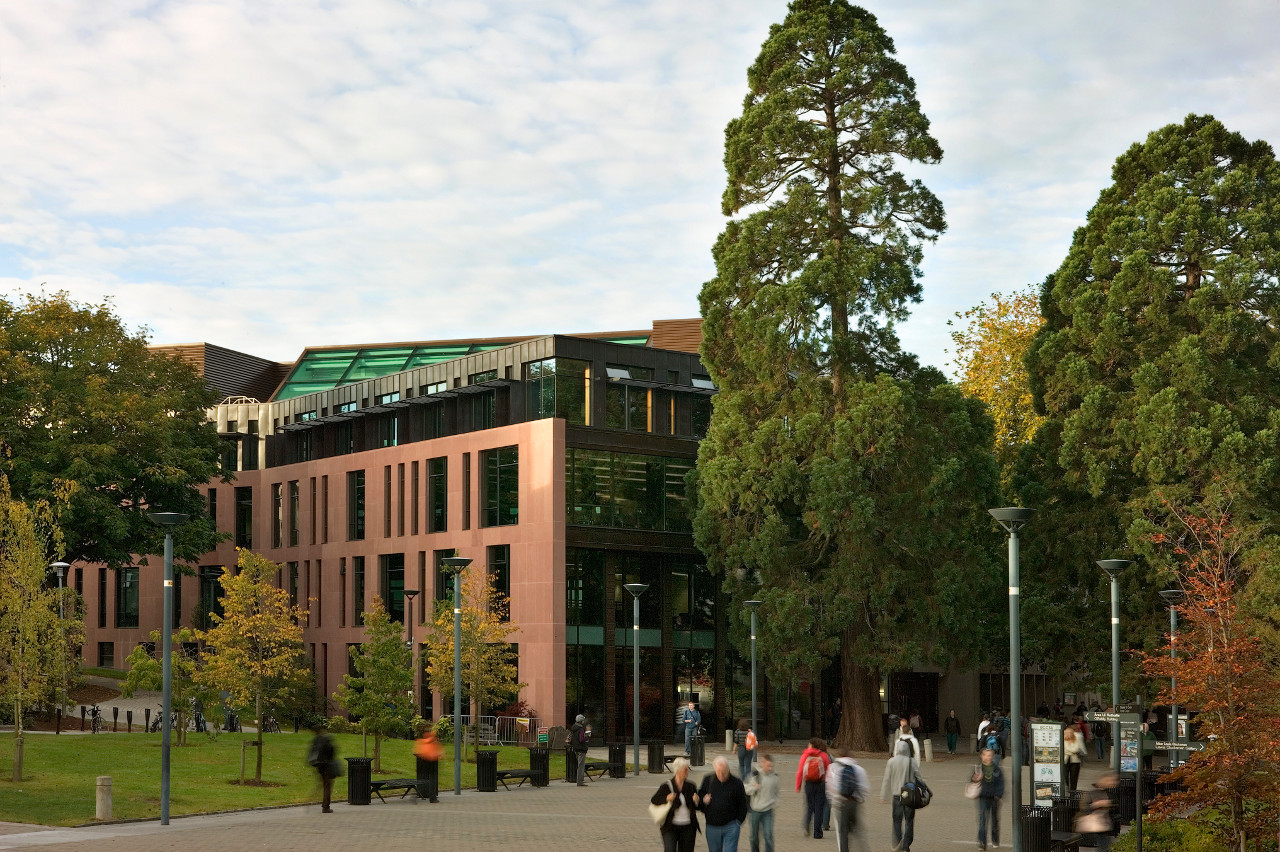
[
  {"x": 1063, "y": 812},
  {"x": 540, "y": 765},
  {"x": 1036, "y": 828},
  {"x": 359, "y": 777},
  {"x": 657, "y": 753},
  {"x": 697, "y": 751},
  {"x": 571, "y": 765},
  {"x": 617, "y": 760},
  {"x": 1124, "y": 794},
  {"x": 486, "y": 770},
  {"x": 428, "y": 779}
]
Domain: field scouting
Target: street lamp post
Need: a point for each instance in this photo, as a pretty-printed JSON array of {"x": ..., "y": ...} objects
[
  {"x": 409, "y": 595},
  {"x": 636, "y": 590},
  {"x": 1113, "y": 567},
  {"x": 752, "y": 606},
  {"x": 458, "y": 564},
  {"x": 1012, "y": 519},
  {"x": 1173, "y": 597},
  {"x": 168, "y": 520},
  {"x": 60, "y": 568}
]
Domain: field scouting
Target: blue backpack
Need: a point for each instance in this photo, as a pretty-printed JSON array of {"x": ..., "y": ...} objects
[{"x": 849, "y": 784}]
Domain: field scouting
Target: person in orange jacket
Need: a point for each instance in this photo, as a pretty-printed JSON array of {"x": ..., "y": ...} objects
[{"x": 812, "y": 773}]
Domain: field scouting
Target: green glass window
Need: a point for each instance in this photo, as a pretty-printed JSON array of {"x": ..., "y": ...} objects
[
  {"x": 500, "y": 487},
  {"x": 355, "y": 505},
  {"x": 627, "y": 406},
  {"x": 357, "y": 589},
  {"x": 277, "y": 514},
  {"x": 210, "y": 591},
  {"x": 244, "y": 516},
  {"x": 444, "y": 579},
  {"x": 251, "y": 447},
  {"x": 626, "y": 490},
  {"x": 558, "y": 387},
  {"x": 437, "y": 494},
  {"x": 391, "y": 577},
  {"x": 294, "y": 501},
  {"x": 484, "y": 410},
  {"x": 499, "y": 558},
  {"x": 484, "y": 376},
  {"x": 127, "y": 597}
]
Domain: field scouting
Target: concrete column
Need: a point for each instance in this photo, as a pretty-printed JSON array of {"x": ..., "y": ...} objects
[{"x": 104, "y": 798}]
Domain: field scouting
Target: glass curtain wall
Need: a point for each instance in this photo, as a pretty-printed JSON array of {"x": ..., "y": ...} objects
[{"x": 558, "y": 387}]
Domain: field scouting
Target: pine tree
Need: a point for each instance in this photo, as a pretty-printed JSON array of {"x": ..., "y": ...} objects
[
  {"x": 838, "y": 482},
  {"x": 380, "y": 693}
]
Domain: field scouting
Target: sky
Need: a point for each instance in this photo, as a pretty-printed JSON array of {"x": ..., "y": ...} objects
[{"x": 271, "y": 174}]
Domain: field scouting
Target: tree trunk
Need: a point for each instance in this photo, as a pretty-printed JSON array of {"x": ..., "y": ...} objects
[
  {"x": 377, "y": 752},
  {"x": 257, "y": 706},
  {"x": 861, "y": 726}
]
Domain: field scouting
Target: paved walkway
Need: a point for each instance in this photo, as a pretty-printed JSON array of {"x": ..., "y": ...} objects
[{"x": 557, "y": 818}]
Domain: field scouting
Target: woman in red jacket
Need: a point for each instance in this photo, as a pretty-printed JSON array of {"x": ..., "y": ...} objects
[{"x": 812, "y": 773}]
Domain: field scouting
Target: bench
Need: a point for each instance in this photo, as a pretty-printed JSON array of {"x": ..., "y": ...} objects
[
  {"x": 524, "y": 775},
  {"x": 1065, "y": 841},
  {"x": 599, "y": 767},
  {"x": 667, "y": 760},
  {"x": 407, "y": 784}
]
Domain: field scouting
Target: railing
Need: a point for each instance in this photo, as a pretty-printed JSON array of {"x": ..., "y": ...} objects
[{"x": 518, "y": 730}]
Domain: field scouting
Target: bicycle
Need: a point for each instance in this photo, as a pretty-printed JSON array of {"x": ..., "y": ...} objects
[
  {"x": 96, "y": 715},
  {"x": 269, "y": 725}
]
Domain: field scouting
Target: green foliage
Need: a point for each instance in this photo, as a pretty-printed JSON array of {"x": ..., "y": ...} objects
[
  {"x": 256, "y": 645},
  {"x": 146, "y": 672},
  {"x": 839, "y": 484},
  {"x": 380, "y": 693},
  {"x": 1172, "y": 835},
  {"x": 1156, "y": 368},
  {"x": 92, "y": 418}
]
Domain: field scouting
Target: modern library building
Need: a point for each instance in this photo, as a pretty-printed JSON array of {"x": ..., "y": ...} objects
[{"x": 557, "y": 464}]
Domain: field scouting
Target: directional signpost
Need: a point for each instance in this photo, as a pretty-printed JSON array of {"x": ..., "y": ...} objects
[{"x": 1161, "y": 745}]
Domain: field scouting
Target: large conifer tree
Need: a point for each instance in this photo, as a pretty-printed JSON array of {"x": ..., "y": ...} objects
[{"x": 838, "y": 483}]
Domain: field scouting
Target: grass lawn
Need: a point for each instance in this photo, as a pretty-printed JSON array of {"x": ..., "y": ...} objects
[{"x": 60, "y": 774}]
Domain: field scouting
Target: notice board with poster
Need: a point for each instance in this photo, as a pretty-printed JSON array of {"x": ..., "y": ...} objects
[{"x": 1046, "y": 762}]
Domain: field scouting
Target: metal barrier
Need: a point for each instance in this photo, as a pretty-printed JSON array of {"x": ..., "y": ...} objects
[{"x": 517, "y": 730}]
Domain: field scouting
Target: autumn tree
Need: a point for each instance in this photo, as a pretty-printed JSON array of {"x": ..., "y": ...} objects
[
  {"x": 256, "y": 644},
  {"x": 490, "y": 674},
  {"x": 1225, "y": 673},
  {"x": 96, "y": 424},
  {"x": 838, "y": 483},
  {"x": 32, "y": 641},
  {"x": 380, "y": 693},
  {"x": 146, "y": 672},
  {"x": 989, "y": 357}
]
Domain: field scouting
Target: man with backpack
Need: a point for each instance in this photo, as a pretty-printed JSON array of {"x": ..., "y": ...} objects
[
  {"x": 812, "y": 773},
  {"x": 578, "y": 741},
  {"x": 900, "y": 769},
  {"x": 847, "y": 789}
]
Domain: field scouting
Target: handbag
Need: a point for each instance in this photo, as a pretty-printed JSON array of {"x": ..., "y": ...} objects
[
  {"x": 1093, "y": 822},
  {"x": 658, "y": 813},
  {"x": 972, "y": 789}
]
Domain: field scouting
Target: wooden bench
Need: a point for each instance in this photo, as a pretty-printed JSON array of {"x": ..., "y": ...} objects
[
  {"x": 509, "y": 774},
  {"x": 407, "y": 784},
  {"x": 599, "y": 767},
  {"x": 669, "y": 759},
  {"x": 1065, "y": 841}
]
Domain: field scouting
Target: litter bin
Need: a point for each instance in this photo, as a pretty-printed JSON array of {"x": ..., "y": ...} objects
[
  {"x": 1123, "y": 798},
  {"x": 359, "y": 777},
  {"x": 617, "y": 760},
  {"x": 540, "y": 765},
  {"x": 697, "y": 751},
  {"x": 1036, "y": 828},
  {"x": 486, "y": 770},
  {"x": 571, "y": 765},
  {"x": 428, "y": 779},
  {"x": 1063, "y": 812},
  {"x": 657, "y": 753}
]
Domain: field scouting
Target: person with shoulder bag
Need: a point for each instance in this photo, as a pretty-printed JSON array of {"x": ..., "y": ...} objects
[
  {"x": 674, "y": 807},
  {"x": 900, "y": 769},
  {"x": 323, "y": 758},
  {"x": 742, "y": 737},
  {"x": 990, "y": 779},
  {"x": 847, "y": 789},
  {"x": 762, "y": 789}
]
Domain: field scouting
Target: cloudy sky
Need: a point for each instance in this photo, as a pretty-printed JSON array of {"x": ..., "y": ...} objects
[{"x": 271, "y": 174}]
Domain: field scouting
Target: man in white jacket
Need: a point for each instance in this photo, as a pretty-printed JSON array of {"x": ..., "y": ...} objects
[{"x": 848, "y": 809}]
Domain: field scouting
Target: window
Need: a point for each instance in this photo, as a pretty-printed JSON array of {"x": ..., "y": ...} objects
[
  {"x": 294, "y": 507},
  {"x": 357, "y": 590},
  {"x": 627, "y": 406},
  {"x": 433, "y": 422},
  {"x": 466, "y": 491},
  {"x": 344, "y": 439},
  {"x": 391, "y": 585},
  {"x": 558, "y": 387},
  {"x": 106, "y": 655},
  {"x": 386, "y": 501},
  {"x": 244, "y": 517},
  {"x": 384, "y": 398},
  {"x": 251, "y": 447},
  {"x": 484, "y": 410},
  {"x": 437, "y": 494},
  {"x": 700, "y": 381},
  {"x": 500, "y": 570},
  {"x": 210, "y": 592},
  {"x": 344, "y": 407},
  {"x": 500, "y": 487},
  {"x": 484, "y": 376},
  {"x": 307, "y": 415},
  {"x": 434, "y": 387},
  {"x": 413, "y": 500},
  {"x": 212, "y": 507},
  {"x": 388, "y": 430},
  {"x": 277, "y": 514},
  {"x": 304, "y": 444},
  {"x": 292, "y": 569},
  {"x": 102, "y": 597},
  {"x": 231, "y": 450},
  {"x": 444, "y": 578},
  {"x": 355, "y": 505},
  {"x": 127, "y": 597},
  {"x": 626, "y": 490},
  {"x": 176, "y": 615},
  {"x": 700, "y": 413}
]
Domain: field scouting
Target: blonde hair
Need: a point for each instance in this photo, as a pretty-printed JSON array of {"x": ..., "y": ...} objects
[{"x": 679, "y": 765}]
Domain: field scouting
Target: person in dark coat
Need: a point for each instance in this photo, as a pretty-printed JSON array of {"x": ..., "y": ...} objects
[
  {"x": 324, "y": 759},
  {"x": 724, "y": 801},
  {"x": 680, "y": 828},
  {"x": 990, "y": 793}
]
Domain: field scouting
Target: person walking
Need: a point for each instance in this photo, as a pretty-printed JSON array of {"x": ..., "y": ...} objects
[
  {"x": 740, "y": 745},
  {"x": 904, "y": 732},
  {"x": 991, "y": 790},
  {"x": 680, "y": 827},
  {"x": 1074, "y": 750},
  {"x": 951, "y": 727},
  {"x": 691, "y": 719},
  {"x": 812, "y": 774},
  {"x": 724, "y": 801},
  {"x": 762, "y": 790},
  {"x": 1100, "y": 732},
  {"x": 323, "y": 758},
  {"x": 900, "y": 769},
  {"x": 428, "y": 749},
  {"x": 579, "y": 738},
  {"x": 849, "y": 822}
]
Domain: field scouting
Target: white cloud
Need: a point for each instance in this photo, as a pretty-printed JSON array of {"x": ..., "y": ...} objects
[{"x": 271, "y": 175}]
